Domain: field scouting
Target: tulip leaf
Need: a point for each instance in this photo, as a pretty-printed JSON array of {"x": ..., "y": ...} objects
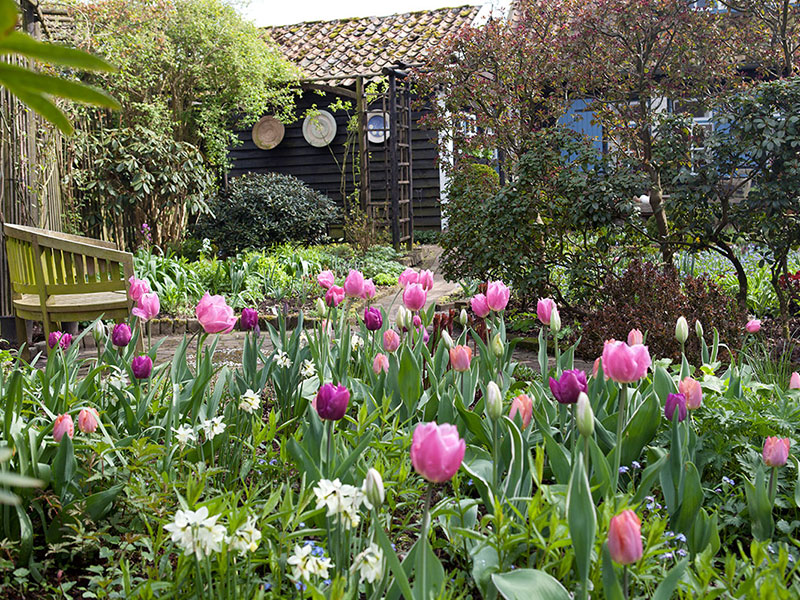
[
  {"x": 582, "y": 520},
  {"x": 797, "y": 484},
  {"x": 25, "y": 535},
  {"x": 64, "y": 468},
  {"x": 529, "y": 584},
  {"x": 602, "y": 470},
  {"x": 400, "y": 577},
  {"x": 559, "y": 459},
  {"x": 666, "y": 588},
  {"x": 758, "y": 505},
  {"x": 611, "y": 585},
  {"x": 409, "y": 380},
  {"x": 640, "y": 430},
  {"x": 649, "y": 475},
  {"x": 663, "y": 385},
  {"x": 97, "y": 505},
  {"x": 543, "y": 366},
  {"x": 690, "y": 500}
]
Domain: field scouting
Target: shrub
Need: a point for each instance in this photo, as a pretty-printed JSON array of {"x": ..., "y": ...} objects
[
  {"x": 259, "y": 210},
  {"x": 651, "y": 298}
]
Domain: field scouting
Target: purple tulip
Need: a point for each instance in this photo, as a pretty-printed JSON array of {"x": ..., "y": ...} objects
[
  {"x": 59, "y": 338},
  {"x": 567, "y": 387},
  {"x": 142, "y": 366},
  {"x": 675, "y": 401},
  {"x": 121, "y": 336},
  {"x": 373, "y": 318},
  {"x": 331, "y": 401},
  {"x": 249, "y": 319}
]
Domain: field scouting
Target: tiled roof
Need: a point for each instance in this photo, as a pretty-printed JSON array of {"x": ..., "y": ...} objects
[
  {"x": 348, "y": 47},
  {"x": 56, "y": 18}
]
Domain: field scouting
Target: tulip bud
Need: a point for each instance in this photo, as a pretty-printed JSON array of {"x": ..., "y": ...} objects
[
  {"x": 555, "y": 320},
  {"x": 681, "y": 330},
  {"x": 497, "y": 346},
  {"x": 373, "y": 488},
  {"x": 448, "y": 341},
  {"x": 494, "y": 401},
  {"x": 400, "y": 318},
  {"x": 99, "y": 332},
  {"x": 698, "y": 329},
  {"x": 463, "y": 318},
  {"x": 320, "y": 307},
  {"x": 584, "y": 416}
]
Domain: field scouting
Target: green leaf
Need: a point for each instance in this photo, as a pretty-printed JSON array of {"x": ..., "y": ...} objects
[
  {"x": 529, "y": 584},
  {"x": 8, "y": 16},
  {"x": 663, "y": 385},
  {"x": 582, "y": 520},
  {"x": 691, "y": 499},
  {"x": 410, "y": 380},
  {"x": 759, "y": 507},
  {"x": 611, "y": 585},
  {"x": 25, "y": 536},
  {"x": 55, "y": 86},
  {"x": 640, "y": 430},
  {"x": 97, "y": 505},
  {"x": 20, "y": 43},
  {"x": 400, "y": 578},
  {"x": 666, "y": 588},
  {"x": 43, "y": 106},
  {"x": 64, "y": 467}
]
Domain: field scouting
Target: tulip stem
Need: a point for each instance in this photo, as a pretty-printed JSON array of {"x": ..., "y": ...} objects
[
  {"x": 586, "y": 456},
  {"x": 422, "y": 555},
  {"x": 328, "y": 454},
  {"x": 623, "y": 400},
  {"x": 495, "y": 455},
  {"x": 625, "y": 582},
  {"x": 773, "y": 484}
]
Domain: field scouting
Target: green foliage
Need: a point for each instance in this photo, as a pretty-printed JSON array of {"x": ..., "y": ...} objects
[
  {"x": 136, "y": 176},
  {"x": 259, "y": 210},
  {"x": 186, "y": 67}
]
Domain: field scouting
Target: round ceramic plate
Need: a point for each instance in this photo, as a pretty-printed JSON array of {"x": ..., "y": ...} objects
[
  {"x": 268, "y": 132},
  {"x": 319, "y": 128},
  {"x": 377, "y": 126}
]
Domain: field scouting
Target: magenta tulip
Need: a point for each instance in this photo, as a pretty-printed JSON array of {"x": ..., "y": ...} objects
[
  {"x": 214, "y": 314},
  {"x": 354, "y": 284},
  {"x": 138, "y": 288},
  {"x": 391, "y": 340},
  {"x": 625, "y": 538},
  {"x": 334, "y": 295},
  {"x": 142, "y": 366},
  {"x": 331, "y": 401},
  {"x": 460, "y": 358},
  {"x": 694, "y": 393},
  {"x": 381, "y": 363},
  {"x": 776, "y": 451},
  {"x": 373, "y": 318},
  {"x": 479, "y": 306},
  {"x": 675, "y": 401},
  {"x": 414, "y": 297},
  {"x": 497, "y": 295},
  {"x": 59, "y": 338},
  {"x": 425, "y": 279},
  {"x": 567, "y": 387},
  {"x": 408, "y": 276},
  {"x": 794, "y": 381},
  {"x": 623, "y": 363},
  {"x": 753, "y": 326},
  {"x": 63, "y": 424},
  {"x": 121, "y": 335},
  {"x": 544, "y": 308},
  {"x": 437, "y": 451},
  {"x": 326, "y": 279},
  {"x": 635, "y": 337},
  {"x": 148, "y": 306},
  {"x": 523, "y": 406},
  {"x": 368, "y": 293},
  {"x": 249, "y": 319},
  {"x": 87, "y": 420}
]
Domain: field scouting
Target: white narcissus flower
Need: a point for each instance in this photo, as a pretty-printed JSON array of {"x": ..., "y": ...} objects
[
  {"x": 196, "y": 532},
  {"x": 282, "y": 359},
  {"x": 342, "y": 500},
  {"x": 308, "y": 370},
  {"x": 246, "y": 538},
  {"x": 184, "y": 434},
  {"x": 356, "y": 342},
  {"x": 369, "y": 564},
  {"x": 249, "y": 402},
  {"x": 299, "y": 562},
  {"x": 118, "y": 379},
  {"x": 319, "y": 566},
  {"x": 213, "y": 427}
]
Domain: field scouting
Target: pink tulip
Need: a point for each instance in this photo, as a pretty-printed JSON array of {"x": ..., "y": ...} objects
[
  {"x": 391, "y": 340},
  {"x": 694, "y": 393},
  {"x": 794, "y": 381},
  {"x": 416, "y": 321},
  {"x": 460, "y": 357},
  {"x": 544, "y": 308},
  {"x": 354, "y": 284},
  {"x": 334, "y": 296},
  {"x": 596, "y": 369},
  {"x": 479, "y": 306},
  {"x": 753, "y": 326},
  {"x": 437, "y": 451},
  {"x": 139, "y": 287},
  {"x": 87, "y": 420},
  {"x": 214, "y": 314},
  {"x": 148, "y": 306},
  {"x": 63, "y": 424},
  {"x": 408, "y": 276},
  {"x": 623, "y": 363},
  {"x": 414, "y": 297},
  {"x": 625, "y": 538},
  {"x": 326, "y": 279},
  {"x": 635, "y": 337},
  {"x": 425, "y": 279},
  {"x": 776, "y": 451},
  {"x": 368, "y": 293},
  {"x": 523, "y": 405},
  {"x": 381, "y": 363},
  {"x": 497, "y": 295}
]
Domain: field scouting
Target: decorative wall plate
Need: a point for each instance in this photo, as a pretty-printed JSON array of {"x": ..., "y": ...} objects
[
  {"x": 319, "y": 128},
  {"x": 377, "y": 126},
  {"x": 268, "y": 132}
]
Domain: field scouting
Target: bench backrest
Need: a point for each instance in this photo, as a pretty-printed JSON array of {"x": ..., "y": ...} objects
[{"x": 50, "y": 263}]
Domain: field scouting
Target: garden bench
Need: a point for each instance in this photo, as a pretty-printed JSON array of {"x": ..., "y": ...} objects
[{"x": 57, "y": 277}]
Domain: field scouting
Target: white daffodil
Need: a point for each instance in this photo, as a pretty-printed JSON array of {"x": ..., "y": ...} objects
[
  {"x": 213, "y": 427},
  {"x": 299, "y": 562},
  {"x": 319, "y": 566},
  {"x": 342, "y": 500},
  {"x": 184, "y": 434},
  {"x": 282, "y": 359},
  {"x": 246, "y": 538},
  {"x": 356, "y": 342},
  {"x": 308, "y": 370},
  {"x": 118, "y": 379},
  {"x": 249, "y": 402},
  {"x": 369, "y": 564},
  {"x": 196, "y": 532}
]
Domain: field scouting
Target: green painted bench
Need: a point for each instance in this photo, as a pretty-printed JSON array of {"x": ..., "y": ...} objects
[{"x": 58, "y": 277}]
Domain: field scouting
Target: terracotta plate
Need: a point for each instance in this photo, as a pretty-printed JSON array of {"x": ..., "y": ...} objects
[{"x": 268, "y": 132}]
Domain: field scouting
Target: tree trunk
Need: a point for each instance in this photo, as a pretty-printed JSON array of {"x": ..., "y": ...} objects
[
  {"x": 656, "y": 203},
  {"x": 741, "y": 276},
  {"x": 777, "y": 270}
]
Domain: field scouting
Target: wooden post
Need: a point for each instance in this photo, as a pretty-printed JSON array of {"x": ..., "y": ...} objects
[
  {"x": 363, "y": 148},
  {"x": 394, "y": 188}
]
